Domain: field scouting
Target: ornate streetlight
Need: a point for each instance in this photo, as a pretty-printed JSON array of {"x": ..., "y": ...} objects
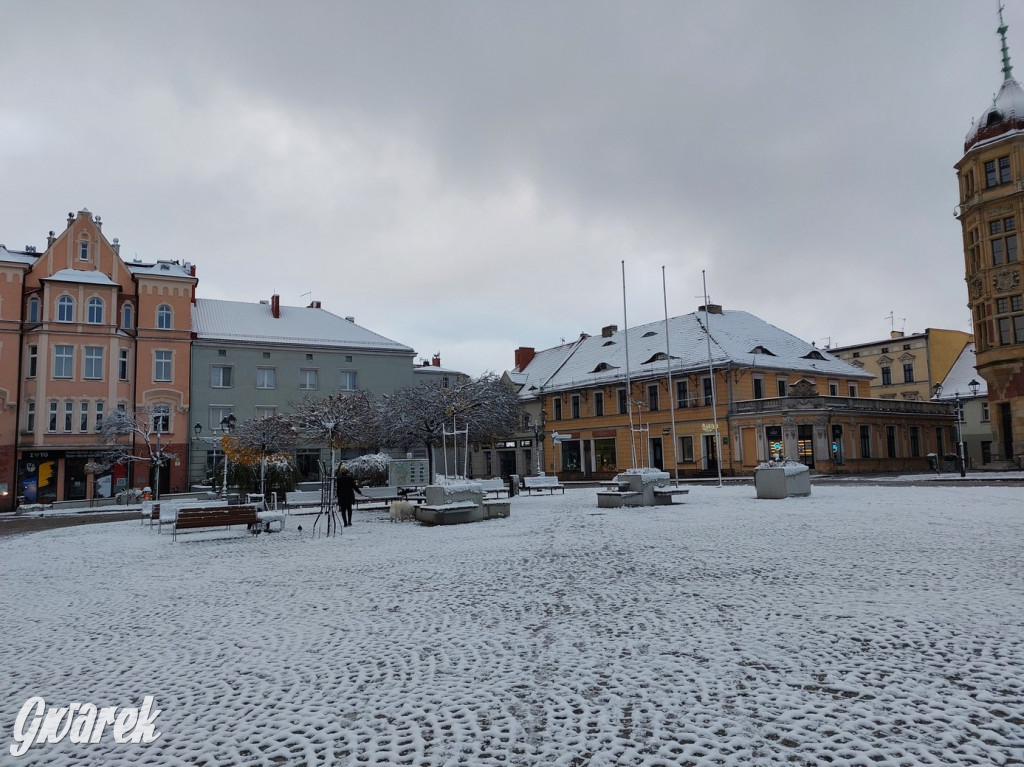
[{"x": 226, "y": 424}]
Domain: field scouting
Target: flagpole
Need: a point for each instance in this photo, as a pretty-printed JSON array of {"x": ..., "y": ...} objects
[
  {"x": 629, "y": 383},
  {"x": 668, "y": 366},
  {"x": 711, "y": 371}
]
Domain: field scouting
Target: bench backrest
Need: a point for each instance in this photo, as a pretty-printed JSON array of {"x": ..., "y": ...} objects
[
  {"x": 497, "y": 483},
  {"x": 544, "y": 481},
  {"x": 216, "y": 516}
]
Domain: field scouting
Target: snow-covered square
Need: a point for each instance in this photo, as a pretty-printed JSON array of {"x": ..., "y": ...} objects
[{"x": 862, "y": 625}]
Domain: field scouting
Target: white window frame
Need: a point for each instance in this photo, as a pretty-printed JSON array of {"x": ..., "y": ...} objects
[
  {"x": 163, "y": 365},
  {"x": 347, "y": 380},
  {"x": 63, "y": 361},
  {"x": 266, "y": 378},
  {"x": 65, "y": 309},
  {"x": 218, "y": 376},
  {"x": 95, "y": 310},
  {"x": 92, "y": 363},
  {"x": 309, "y": 376},
  {"x": 164, "y": 317},
  {"x": 122, "y": 364}
]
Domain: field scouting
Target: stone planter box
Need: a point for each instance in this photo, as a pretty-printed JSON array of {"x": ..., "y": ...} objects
[{"x": 782, "y": 481}]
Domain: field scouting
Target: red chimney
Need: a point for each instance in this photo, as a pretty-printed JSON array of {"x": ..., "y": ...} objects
[
  {"x": 275, "y": 305},
  {"x": 437, "y": 360},
  {"x": 523, "y": 356}
]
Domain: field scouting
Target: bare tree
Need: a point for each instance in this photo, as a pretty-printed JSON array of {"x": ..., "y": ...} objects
[
  {"x": 419, "y": 415},
  {"x": 263, "y": 438},
  {"x": 126, "y": 431},
  {"x": 338, "y": 421}
]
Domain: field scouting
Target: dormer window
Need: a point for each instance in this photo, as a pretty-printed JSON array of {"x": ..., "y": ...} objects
[
  {"x": 601, "y": 367},
  {"x": 83, "y": 250},
  {"x": 813, "y": 355},
  {"x": 762, "y": 350},
  {"x": 608, "y": 343},
  {"x": 660, "y": 356},
  {"x": 648, "y": 334}
]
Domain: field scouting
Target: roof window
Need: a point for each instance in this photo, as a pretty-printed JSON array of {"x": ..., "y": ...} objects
[
  {"x": 762, "y": 350},
  {"x": 660, "y": 356},
  {"x": 602, "y": 366},
  {"x": 814, "y": 354}
]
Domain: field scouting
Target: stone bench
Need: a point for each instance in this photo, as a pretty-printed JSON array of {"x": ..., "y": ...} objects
[{"x": 549, "y": 483}]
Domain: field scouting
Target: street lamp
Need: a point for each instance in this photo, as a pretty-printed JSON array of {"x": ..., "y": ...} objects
[
  {"x": 227, "y": 423},
  {"x": 959, "y": 422}
]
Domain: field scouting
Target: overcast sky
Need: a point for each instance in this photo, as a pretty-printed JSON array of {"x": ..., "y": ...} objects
[{"x": 467, "y": 177}]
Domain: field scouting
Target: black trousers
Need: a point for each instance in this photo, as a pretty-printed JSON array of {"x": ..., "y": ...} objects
[{"x": 346, "y": 513}]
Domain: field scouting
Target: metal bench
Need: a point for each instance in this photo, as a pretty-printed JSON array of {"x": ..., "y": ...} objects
[{"x": 549, "y": 483}]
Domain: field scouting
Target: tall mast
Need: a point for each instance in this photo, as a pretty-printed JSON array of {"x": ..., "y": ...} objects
[
  {"x": 711, "y": 372},
  {"x": 1007, "y": 69},
  {"x": 629, "y": 383},
  {"x": 668, "y": 367}
]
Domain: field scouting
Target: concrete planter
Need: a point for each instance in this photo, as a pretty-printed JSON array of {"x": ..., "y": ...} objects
[{"x": 783, "y": 481}]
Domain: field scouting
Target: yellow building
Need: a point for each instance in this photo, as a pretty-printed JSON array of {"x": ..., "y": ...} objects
[
  {"x": 714, "y": 391},
  {"x": 991, "y": 178},
  {"x": 906, "y": 366}
]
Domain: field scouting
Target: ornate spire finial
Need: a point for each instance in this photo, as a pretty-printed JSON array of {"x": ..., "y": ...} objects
[{"x": 1007, "y": 69}]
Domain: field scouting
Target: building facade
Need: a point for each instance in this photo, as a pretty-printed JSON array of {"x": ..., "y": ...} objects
[
  {"x": 253, "y": 360},
  {"x": 991, "y": 184},
  {"x": 737, "y": 391},
  {"x": 94, "y": 334}
]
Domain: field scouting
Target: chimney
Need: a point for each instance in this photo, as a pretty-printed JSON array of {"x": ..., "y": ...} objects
[
  {"x": 51, "y": 237},
  {"x": 710, "y": 308},
  {"x": 609, "y": 330},
  {"x": 524, "y": 354},
  {"x": 896, "y": 334},
  {"x": 275, "y": 305},
  {"x": 116, "y": 245},
  {"x": 314, "y": 304},
  {"x": 351, "y": 319},
  {"x": 71, "y": 218},
  {"x": 436, "y": 361}
]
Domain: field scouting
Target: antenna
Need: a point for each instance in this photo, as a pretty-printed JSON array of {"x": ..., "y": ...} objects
[
  {"x": 828, "y": 341},
  {"x": 307, "y": 293},
  {"x": 1007, "y": 69}
]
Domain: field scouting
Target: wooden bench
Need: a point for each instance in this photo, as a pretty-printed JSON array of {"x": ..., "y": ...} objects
[
  {"x": 549, "y": 483},
  {"x": 494, "y": 485},
  {"x": 211, "y": 518}
]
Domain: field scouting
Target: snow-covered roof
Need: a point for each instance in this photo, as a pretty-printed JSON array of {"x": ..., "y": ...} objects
[
  {"x": 17, "y": 256},
  {"x": 1005, "y": 114},
  {"x": 312, "y": 326},
  {"x": 737, "y": 337},
  {"x": 80, "y": 276},
  {"x": 161, "y": 269},
  {"x": 958, "y": 380}
]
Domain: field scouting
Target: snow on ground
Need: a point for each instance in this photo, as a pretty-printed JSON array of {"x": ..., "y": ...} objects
[{"x": 862, "y": 625}]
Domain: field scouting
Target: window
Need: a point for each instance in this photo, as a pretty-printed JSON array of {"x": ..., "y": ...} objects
[
  {"x": 63, "y": 361},
  {"x": 348, "y": 381},
  {"x": 908, "y": 372},
  {"x": 93, "y": 363},
  {"x": 122, "y": 364},
  {"x": 1010, "y": 329},
  {"x": 348, "y": 358},
  {"x": 574, "y": 402},
  {"x": 69, "y": 414},
  {"x": 558, "y": 408},
  {"x": 686, "y": 449},
  {"x": 915, "y": 442},
  {"x": 598, "y": 404},
  {"x": 682, "y": 393},
  {"x": 622, "y": 403},
  {"x": 652, "y": 397},
  {"x": 853, "y": 390},
  {"x": 99, "y": 415},
  {"x": 83, "y": 420},
  {"x": 83, "y": 250},
  {"x": 162, "y": 419},
  {"x": 885, "y": 350},
  {"x": 220, "y": 376},
  {"x": 783, "y": 386},
  {"x": 997, "y": 172},
  {"x": 984, "y": 411},
  {"x": 94, "y": 314},
  {"x": 52, "y": 423},
  {"x": 163, "y": 317},
  {"x": 890, "y": 441},
  {"x": 973, "y": 251},
  {"x": 266, "y": 356},
  {"x": 266, "y": 378},
  {"x": 33, "y": 361},
  {"x": 307, "y": 378},
  {"x": 264, "y": 412},
  {"x": 162, "y": 366},
  {"x": 217, "y": 415},
  {"x": 126, "y": 316},
  {"x": 33, "y": 309},
  {"x": 886, "y": 375},
  {"x": 706, "y": 384},
  {"x": 65, "y": 309},
  {"x": 865, "y": 441},
  {"x": 1003, "y": 240},
  {"x": 833, "y": 388},
  {"x": 758, "y": 387},
  {"x": 30, "y": 416}
]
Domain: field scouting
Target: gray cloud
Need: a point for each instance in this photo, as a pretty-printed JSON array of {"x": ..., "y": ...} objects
[{"x": 467, "y": 177}]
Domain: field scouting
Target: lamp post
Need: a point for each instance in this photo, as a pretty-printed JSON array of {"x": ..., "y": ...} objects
[{"x": 227, "y": 423}]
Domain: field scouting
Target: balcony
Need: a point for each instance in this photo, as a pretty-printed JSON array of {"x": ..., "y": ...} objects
[{"x": 844, "y": 404}]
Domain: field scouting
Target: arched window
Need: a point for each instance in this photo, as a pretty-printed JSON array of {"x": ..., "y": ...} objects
[
  {"x": 33, "y": 309},
  {"x": 163, "y": 317},
  {"x": 65, "y": 309},
  {"x": 95, "y": 315},
  {"x": 126, "y": 316}
]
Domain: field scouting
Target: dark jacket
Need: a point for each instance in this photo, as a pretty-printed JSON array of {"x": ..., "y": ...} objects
[{"x": 346, "y": 488}]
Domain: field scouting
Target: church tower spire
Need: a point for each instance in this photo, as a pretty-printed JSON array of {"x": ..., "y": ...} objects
[{"x": 1007, "y": 69}]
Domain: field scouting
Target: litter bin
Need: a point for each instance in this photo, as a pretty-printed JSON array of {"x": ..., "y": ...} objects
[
  {"x": 933, "y": 462},
  {"x": 513, "y": 485}
]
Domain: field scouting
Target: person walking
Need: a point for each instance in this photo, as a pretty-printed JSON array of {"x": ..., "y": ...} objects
[{"x": 346, "y": 488}]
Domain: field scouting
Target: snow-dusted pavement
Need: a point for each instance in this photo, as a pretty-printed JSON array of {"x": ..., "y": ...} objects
[{"x": 864, "y": 625}]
